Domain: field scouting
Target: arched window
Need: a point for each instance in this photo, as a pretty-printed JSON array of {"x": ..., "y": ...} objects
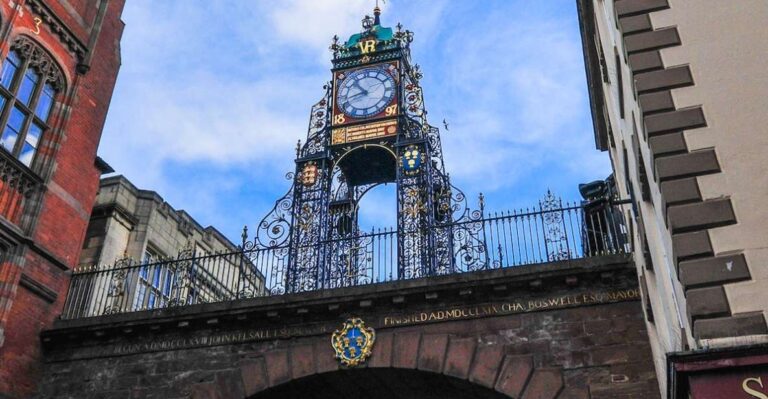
[{"x": 29, "y": 82}]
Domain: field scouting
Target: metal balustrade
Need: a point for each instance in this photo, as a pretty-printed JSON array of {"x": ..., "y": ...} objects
[{"x": 543, "y": 234}]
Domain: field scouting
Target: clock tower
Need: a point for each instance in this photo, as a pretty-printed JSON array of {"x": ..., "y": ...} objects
[{"x": 370, "y": 128}]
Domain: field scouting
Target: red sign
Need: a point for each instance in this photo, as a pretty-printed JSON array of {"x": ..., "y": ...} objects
[{"x": 750, "y": 382}]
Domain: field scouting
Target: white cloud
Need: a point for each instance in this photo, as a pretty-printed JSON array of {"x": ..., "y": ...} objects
[
  {"x": 517, "y": 104},
  {"x": 313, "y": 23},
  {"x": 228, "y": 86}
]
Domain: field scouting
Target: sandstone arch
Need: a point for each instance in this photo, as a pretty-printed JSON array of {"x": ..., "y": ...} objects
[{"x": 440, "y": 358}]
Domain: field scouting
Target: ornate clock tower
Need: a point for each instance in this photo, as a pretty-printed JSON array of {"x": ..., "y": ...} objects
[{"x": 370, "y": 128}]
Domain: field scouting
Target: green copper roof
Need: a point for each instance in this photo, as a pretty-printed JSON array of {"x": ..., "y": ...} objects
[{"x": 382, "y": 34}]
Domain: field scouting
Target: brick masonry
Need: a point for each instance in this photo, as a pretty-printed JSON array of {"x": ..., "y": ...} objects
[
  {"x": 82, "y": 38},
  {"x": 584, "y": 351}
]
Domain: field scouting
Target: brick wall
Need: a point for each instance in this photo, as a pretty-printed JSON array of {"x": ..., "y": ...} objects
[{"x": 47, "y": 245}]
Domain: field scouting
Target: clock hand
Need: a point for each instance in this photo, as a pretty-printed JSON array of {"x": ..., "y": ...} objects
[
  {"x": 356, "y": 83},
  {"x": 358, "y": 94},
  {"x": 377, "y": 84}
]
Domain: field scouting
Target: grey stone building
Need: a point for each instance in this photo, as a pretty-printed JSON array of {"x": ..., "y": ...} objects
[
  {"x": 132, "y": 226},
  {"x": 678, "y": 101}
]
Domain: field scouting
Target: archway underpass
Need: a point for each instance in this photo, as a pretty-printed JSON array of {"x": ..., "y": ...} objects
[{"x": 379, "y": 384}]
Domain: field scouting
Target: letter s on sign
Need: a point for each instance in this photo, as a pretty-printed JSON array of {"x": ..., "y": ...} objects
[{"x": 752, "y": 392}]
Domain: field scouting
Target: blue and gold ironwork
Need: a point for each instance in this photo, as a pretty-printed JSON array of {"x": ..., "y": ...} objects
[
  {"x": 311, "y": 239},
  {"x": 465, "y": 241},
  {"x": 370, "y": 128},
  {"x": 411, "y": 160},
  {"x": 353, "y": 343}
]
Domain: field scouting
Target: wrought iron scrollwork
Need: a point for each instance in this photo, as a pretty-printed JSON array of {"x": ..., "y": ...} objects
[
  {"x": 275, "y": 229},
  {"x": 319, "y": 120},
  {"x": 554, "y": 233}
]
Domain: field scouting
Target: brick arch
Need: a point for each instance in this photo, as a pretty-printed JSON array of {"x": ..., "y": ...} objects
[{"x": 488, "y": 365}]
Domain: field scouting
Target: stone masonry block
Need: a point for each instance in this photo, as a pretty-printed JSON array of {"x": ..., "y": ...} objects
[
  {"x": 689, "y": 164},
  {"x": 645, "y": 61},
  {"x": 681, "y": 119},
  {"x": 711, "y": 271},
  {"x": 382, "y": 351},
  {"x": 701, "y": 215},
  {"x": 544, "y": 384},
  {"x": 406, "y": 350},
  {"x": 514, "y": 374},
  {"x": 485, "y": 367},
  {"x": 278, "y": 368},
  {"x": 459, "y": 357},
  {"x": 707, "y": 302},
  {"x": 254, "y": 376},
  {"x": 656, "y": 102},
  {"x": 635, "y": 24},
  {"x": 325, "y": 357},
  {"x": 631, "y": 7},
  {"x": 302, "y": 361},
  {"x": 734, "y": 326},
  {"x": 669, "y": 78},
  {"x": 691, "y": 244},
  {"x": 432, "y": 352},
  {"x": 652, "y": 40}
]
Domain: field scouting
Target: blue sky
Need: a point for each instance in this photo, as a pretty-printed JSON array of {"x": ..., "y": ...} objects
[{"x": 213, "y": 95}]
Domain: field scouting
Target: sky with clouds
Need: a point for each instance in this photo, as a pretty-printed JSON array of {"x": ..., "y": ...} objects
[{"x": 213, "y": 95}]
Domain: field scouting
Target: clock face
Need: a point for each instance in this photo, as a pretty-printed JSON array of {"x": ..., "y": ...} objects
[{"x": 365, "y": 92}]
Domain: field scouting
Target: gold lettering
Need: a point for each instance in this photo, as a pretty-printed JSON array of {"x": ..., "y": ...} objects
[
  {"x": 752, "y": 392},
  {"x": 38, "y": 21},
  {"x": 368, "y": 46}
]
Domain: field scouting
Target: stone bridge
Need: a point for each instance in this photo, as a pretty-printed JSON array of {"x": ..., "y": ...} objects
[{"x": 570, "y": 329}]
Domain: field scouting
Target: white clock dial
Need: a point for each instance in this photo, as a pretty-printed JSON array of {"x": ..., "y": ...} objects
[{"x": 365, "y": 92}]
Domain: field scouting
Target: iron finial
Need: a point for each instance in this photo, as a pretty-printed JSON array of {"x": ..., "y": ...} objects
[
  {"x": 335, "y": 47},
  {"x": 377, "y": 14},
  {"x": 244, "y": 236}
]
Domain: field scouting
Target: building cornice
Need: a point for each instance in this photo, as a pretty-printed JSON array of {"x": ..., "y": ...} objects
[
  {"x": 592, "y": 68},
  {"x": 59, "y": 28}
]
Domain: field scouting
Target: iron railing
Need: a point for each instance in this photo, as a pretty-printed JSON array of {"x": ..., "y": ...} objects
[{"x": 498, "y": 240}]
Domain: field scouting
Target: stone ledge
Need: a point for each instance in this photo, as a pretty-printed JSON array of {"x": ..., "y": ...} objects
[
  {"x": 413, "y": 290},
  {"x": 713, "y": 271},
  {"x": 733, "y": 326}
]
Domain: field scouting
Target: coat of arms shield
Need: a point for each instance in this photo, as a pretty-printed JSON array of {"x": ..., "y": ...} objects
[{"x": 353, "y": 343}]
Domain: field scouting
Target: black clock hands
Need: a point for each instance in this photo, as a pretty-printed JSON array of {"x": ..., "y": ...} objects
[
  {"x": 356, "y": 95},
  {"x": 356, "y": 83},
  {"x": 368, "y": 91}
]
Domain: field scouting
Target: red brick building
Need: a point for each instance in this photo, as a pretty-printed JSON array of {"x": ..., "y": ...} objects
[{"x": 60, "y": 60}]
